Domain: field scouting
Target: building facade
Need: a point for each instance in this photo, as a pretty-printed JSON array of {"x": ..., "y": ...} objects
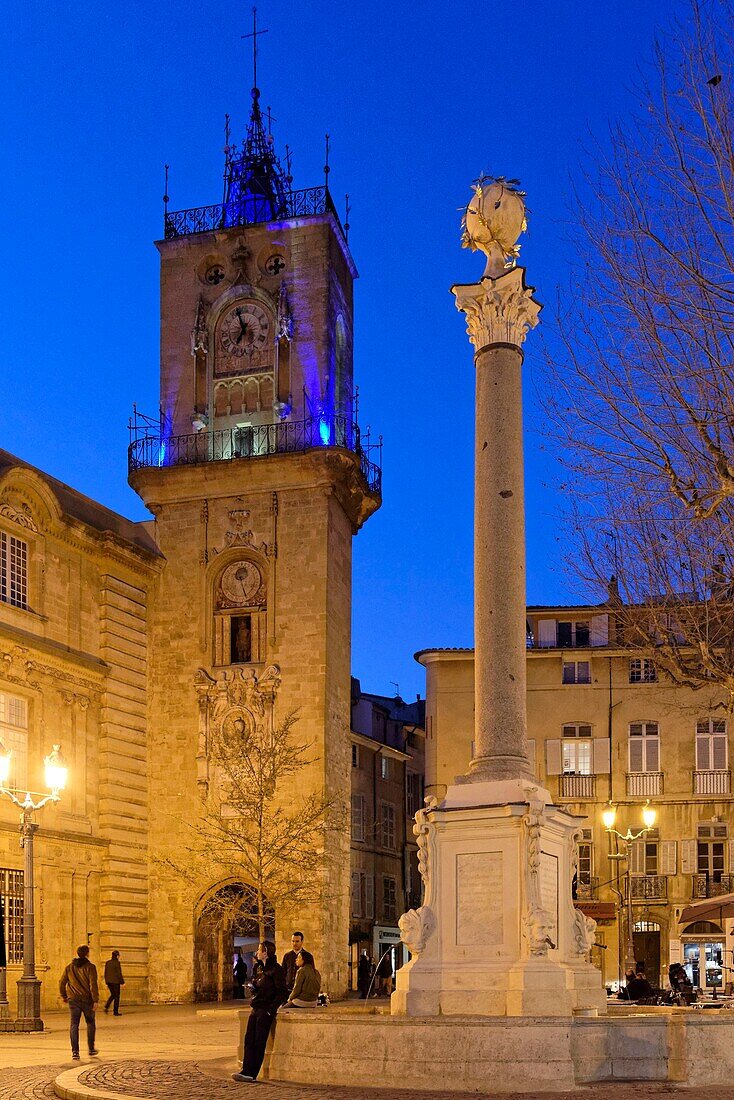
[
  {"x": 135, "y": 644},
  {"x": 387, "y": 737},
  {"x": 605, "y": 724}
]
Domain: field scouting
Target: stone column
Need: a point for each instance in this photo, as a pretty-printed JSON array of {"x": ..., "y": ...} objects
[{"x": 499, "y": 310}]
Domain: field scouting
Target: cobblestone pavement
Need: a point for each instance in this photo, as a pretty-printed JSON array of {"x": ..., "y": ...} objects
[{"x": 28, "y": 1083}]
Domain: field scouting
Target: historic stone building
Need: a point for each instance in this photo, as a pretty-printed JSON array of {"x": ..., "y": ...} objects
[
  {"x": 606, "y": 725},
  {"x": 133, "y": 643}
]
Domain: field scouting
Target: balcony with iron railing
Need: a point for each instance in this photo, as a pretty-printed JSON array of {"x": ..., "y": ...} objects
[
  {"x": 644, "y": 784},
  {"x": 152, "y": 450},
  {"x": 311, "y": 202},
  {"x": 712, "y": 782},
  {"x": 712, "y": 885},
  {"x": 578, "y": 787},
  {"x": 647, "y": 887},
  {"x": 586, "y": 889}
]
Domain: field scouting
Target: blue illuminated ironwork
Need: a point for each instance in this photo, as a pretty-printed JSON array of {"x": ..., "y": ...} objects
[
  {"x": 204, "y": 219},
  {"x": 149, "y": 450}
]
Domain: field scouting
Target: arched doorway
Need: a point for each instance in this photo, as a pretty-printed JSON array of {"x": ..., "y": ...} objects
[
  {"x": 227, "y": 922},
  {"x": 704, "y": 944}
]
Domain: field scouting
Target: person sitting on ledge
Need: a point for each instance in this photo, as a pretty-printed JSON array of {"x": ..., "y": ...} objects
[
  {"x": 637, "y": 987},
  {"x": 307, "y": 986}
]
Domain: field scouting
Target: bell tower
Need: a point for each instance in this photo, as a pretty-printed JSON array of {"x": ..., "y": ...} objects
[{"x": 258, "y": 478}]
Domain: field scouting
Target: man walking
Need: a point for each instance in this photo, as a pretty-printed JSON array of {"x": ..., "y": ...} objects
[
  {"x": 113, "y": 980},
  {"x": 78, "y": 988},
  {"x": 289, "y": 960}
]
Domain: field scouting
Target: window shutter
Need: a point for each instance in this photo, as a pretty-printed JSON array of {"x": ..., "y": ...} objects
[
  {"x": 599, "y": 629},
  {"x": 688, "y": 859},
  {"x": 635, "y": 754},
  {"x": 719, "y": 752},
  {"x": 601, "y": 761},
  {"x": 668, "y": 851},
  {"x": 369, "y": 896},
  {"x": 553, "y": 762},
  {"x": 652, "y": 764},
  {"x": 636, "y": 852},
  {"x": 546, "y": 633},
  {"x": 356, "y": 894},
  {"x": 731, "y": 856},
  {"x": 703, "y": 755},
  {"x": 531, "y": 754}
]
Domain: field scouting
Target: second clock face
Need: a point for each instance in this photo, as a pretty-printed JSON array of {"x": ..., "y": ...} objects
[{"x": 244, "y": 329}]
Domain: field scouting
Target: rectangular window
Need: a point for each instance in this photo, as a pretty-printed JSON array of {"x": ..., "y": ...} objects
[
  {"x": 358, "y": 817},
  {"x": 389, "y": 899},
  {"x": 413, "y": 793},
  {"x": 355, "y": 756},
  {"x": 13, "y": 570},
  {"x": 576, "y": 672},
  {"x": 387, "y": 825},
  {"x": 14, "y": 735},
  {"x": 643, "y": 670},
  {"x": 577, "y": 749},
  {"x": 711, "y": 850},
  {"x": 11, "y": 891},
  {"x": 585, "y": 869},
  {"x": 711, "y": 745},
  {"x": 644, "y": 747},
  {"x": 573, "y": 633},
  {"x": 357, "y": 893},
  {"x": 385, "y": 767}
]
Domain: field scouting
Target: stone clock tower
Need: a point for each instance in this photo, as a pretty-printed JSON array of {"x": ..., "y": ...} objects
[{"x": 257, "y": 478}]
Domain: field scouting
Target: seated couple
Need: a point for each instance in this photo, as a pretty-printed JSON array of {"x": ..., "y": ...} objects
[{"x": 307, "y": 986}]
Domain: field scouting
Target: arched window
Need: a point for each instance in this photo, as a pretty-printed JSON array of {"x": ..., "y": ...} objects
[{"x": 240, "y": 608}]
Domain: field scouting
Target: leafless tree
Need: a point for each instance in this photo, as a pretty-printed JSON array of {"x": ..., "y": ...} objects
[
  {"x": 257, "y": 828},
  {"x": 643, "y": 399}
]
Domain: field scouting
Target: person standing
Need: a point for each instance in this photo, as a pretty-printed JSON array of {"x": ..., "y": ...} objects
[
  {"x": 384, "y": 974},
  {"x": 113, "y": 980},
  {"x": 270, "y": 993},
  {"x": 289, "y": 960},
  {"x": 364, "y": 975},
  {"x": 239, "y": 974},
  {"x": 78, "y": 988}
]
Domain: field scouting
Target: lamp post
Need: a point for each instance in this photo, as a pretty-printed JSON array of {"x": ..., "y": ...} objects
[
  {"x": 29, "y": 986},
  {"x": 608, "y": 817}
]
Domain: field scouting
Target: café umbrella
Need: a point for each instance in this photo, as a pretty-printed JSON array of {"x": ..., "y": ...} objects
[{"x": 714, "y": 909}]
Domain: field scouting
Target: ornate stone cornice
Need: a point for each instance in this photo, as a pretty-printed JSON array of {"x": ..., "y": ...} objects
[{"x": 498, "y": 311}]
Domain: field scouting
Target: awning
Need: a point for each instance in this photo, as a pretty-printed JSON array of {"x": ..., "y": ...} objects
[
  {"x": 709, "y": 909},
  {"x": 600, "y": 911}
]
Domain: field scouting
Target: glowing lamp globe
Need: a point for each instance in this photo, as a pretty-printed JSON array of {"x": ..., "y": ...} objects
[
  {"x": 608, "y": 816},
  {"x": 5, "y": 755},
  {"x": 56, "y": 770},
  {"x": 648, "y": 816}
]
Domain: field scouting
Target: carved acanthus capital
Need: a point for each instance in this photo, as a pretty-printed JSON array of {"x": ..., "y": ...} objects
[{"x": 498, "y": 311}]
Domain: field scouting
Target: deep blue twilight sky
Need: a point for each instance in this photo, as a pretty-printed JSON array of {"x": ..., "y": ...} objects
[{"x": 418, "y": 100}]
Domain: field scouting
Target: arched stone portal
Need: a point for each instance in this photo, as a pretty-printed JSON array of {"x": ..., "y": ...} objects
[{"x": 226, "y": 913}]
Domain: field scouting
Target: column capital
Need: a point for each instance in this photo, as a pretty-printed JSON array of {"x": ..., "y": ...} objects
[{"x": 498, "y": 311}]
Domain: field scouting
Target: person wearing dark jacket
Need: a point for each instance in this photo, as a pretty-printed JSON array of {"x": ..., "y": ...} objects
[
  {"x": 113, "y": 980},
  {"x": 270, "y": 993},
  {"x": 78, "y": 988},
  {"x": 636, "y": 989},
  {"x": 289, "y": 960}
]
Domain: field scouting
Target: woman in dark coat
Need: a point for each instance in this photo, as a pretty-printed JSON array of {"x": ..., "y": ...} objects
[{"x": 270, "y": 993}]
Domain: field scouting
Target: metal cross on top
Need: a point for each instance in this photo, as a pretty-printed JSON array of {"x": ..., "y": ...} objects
[{"x": 253, "y": 35}]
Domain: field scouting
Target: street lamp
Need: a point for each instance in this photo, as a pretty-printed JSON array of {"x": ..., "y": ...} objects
[
  {"x": 29, "y": 986},
  {"x": 608, "y": 816}
]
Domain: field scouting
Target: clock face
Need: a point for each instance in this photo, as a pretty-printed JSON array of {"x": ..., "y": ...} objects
[
  {"x": 244, "y": 329},
  {"x": 241, "y": 581}
]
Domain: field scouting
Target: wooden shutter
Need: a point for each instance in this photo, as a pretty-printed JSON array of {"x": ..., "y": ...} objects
[
  {"x": 546, "y": 633},
  {"x": 731, "y": 857},
  {"x": 703, "y": 754},
  {"x": 531, "y": 753},
  {"x": 668, "y": 852},
  {"x": 688, "y": 857},
  {"x": 719, "y": 753},
  {"x": 636, "y": 851},
  {"x": 652, "y": 746},
  {"x": 553, "y": 757},
  {"x": 635, "y": 745},
  {"x": 357, "y": 817},
  {"x": 599, "y": 629},
  {"x": 601, "y": 758},
  {"x": 356, "y": 894},
  {"x": 369, "y": 895}
]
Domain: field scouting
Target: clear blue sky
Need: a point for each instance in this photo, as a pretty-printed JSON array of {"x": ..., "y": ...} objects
[{"x": 418, "y": 100}]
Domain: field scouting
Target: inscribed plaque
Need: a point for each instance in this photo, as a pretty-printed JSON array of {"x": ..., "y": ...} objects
[
  {"x": 549, "y": 890},
  {"x": 479, "y": 899}
]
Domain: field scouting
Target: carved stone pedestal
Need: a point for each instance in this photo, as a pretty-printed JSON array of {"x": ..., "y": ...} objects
[
  {"x": 29, "y": 1005},
  {"x": 497, "y": 934}
]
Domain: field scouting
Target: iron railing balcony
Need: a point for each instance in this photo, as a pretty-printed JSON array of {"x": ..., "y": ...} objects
[
  {"x": 704, "y": 886},
  {"x": 580, "y": 787},
  {"x": 586, "y": 889},
  {"x": 644, "y": 784},
  {"x": 310, "y": 202},
  {"x": 257, "y": 441},
  {"x": 647, "y": 887},
  {"x": 714, "y": 782}
]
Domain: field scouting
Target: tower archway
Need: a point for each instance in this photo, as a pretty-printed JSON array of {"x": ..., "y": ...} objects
[{"x": 226, "y": 921}]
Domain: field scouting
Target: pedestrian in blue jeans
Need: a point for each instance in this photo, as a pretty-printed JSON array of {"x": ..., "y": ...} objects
[
  {"x": 270, "y": 993},
  {"x": 78, "y": 988}
]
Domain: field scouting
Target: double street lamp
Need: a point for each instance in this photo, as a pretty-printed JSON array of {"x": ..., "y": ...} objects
[
  {"x": 29, "y": 986},
  {"x": 608, "y": 816}
]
